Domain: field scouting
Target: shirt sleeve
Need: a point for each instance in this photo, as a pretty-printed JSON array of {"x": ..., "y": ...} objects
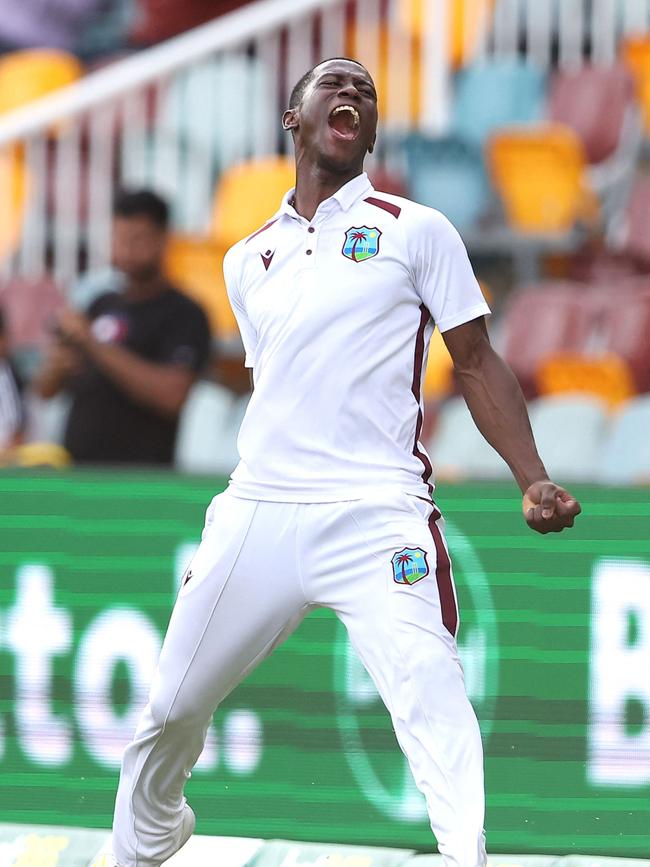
[
  {"x": 231, "y": 274},
  {"x": 443, "y": 274},
  {"x": 187, "y": 338}
]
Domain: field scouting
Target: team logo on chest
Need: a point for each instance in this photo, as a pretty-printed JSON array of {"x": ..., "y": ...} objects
[
  {"x": 361, "y": 243},
  {"x": 410, "y": 565}
]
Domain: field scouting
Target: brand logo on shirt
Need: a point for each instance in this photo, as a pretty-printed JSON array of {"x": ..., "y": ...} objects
[
  {"x": 361, "y": 243},
  {"x": 267, "y": 258},
  {"x": 110, "y": 329},
  {"x": 410, "y": 565}
]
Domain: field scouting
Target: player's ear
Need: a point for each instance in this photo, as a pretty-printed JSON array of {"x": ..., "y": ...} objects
[
  {"x": 290, "y": 119},
  {"x": 371, "y": 146}
]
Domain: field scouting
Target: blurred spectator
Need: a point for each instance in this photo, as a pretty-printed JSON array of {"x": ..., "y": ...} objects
[
  {"x": 162, "y": 19},
  {"x": 130, "y": 362},
  {"x": 46, "y": 23},
  {"x": 12, "y": 416}
]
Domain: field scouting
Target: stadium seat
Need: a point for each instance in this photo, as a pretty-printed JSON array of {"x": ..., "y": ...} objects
[
  {"x": 635, "y": 52},
  {"x": 438, "y": 377},
  {"x": 30, "y": 305},
  {"x": 592, "y": 101},
  {"x": 458, "y": 450},
  {"x": 260, "y": 184},
  {"x": 207, "y": 441},
  {"x": 622, "y": 325},
  {"x": 447, "y": 174},
  {"x": 32, "y": 73},
  {"x": 570, "y": 432},
  {"x": 598, "y": 103},
  {"x": 542, "y": 320},
  {"x": 15, "y": 186},
  {"x": 625, "y": 457},
  {"x": 605, "y": 376},
  {"x": 194, "y": 264},
  {"x": 631, "y": 238},
  {"x": 496, "y": 93},
  {"x": 539, "y": 173}
]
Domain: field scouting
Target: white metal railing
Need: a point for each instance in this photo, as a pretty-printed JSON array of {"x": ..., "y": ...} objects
[{"x": 174, "y": 116}]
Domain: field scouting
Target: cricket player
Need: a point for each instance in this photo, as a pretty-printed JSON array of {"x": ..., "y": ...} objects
[{"x": 331, "y": 504}]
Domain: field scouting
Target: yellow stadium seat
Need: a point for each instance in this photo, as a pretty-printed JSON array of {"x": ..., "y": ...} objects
[
  {"x": 439, "y": 375},
  {"x": 194, "y": 264},
  {"x": 539, "y": 172},
  {"x": 636, "y": 55},
  {"x": 30, "y": 74},
  {"x": 438, "y": 378},
  {"x": 39, "y": 454},
  {"x": 605, "y": 376},
  {"x": 248, "y": 195},
  {"x": 467, "y": 22},
  {"x": 14, "y": 183}
]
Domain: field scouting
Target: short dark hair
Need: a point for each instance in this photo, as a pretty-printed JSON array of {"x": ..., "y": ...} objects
[
  {"x": 301, "y": 86},
  {"x": 142, "y": 203}
]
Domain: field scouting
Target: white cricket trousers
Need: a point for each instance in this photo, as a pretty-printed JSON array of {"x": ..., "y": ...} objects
[{"x": 260, "y": 568}]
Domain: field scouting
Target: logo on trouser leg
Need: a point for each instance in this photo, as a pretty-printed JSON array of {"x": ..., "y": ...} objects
[{"x": 409, "y": 565}]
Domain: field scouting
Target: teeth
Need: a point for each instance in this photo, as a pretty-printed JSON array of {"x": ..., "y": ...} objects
[{"x": 349, "y": 108}]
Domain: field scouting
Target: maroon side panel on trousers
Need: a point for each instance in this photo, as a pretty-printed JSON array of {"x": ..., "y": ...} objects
[
  {"x": 415, "y": 388},
  {"x": 443, "y": 578}
]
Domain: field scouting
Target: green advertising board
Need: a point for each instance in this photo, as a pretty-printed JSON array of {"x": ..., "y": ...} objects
[{"x": 555, "y": 642}]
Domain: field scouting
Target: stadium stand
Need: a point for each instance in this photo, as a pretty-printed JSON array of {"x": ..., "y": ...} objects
[
  {"x": 539, "y": 321},
  {"x": 625, "y": 457},
  {"x": 211, "y": 414},
  {"x": 555, "y": 119},
  {"x": 570, "y": 432},
  {"x": 32, "y": 73}
]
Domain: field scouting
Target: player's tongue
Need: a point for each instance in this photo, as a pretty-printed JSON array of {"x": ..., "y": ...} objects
[{"x": 344, "y": 122}]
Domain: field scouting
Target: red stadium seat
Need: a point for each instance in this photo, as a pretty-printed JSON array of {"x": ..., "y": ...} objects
[
  {"x": 593, "y": 101},
  {"x": 540, "y": 321},
  {"x": 621, "y": 325},
  {"x": 30, "y": 305}
]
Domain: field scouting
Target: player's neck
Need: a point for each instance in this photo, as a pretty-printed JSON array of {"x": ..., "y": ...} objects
[{"x": 315, "y": 184}]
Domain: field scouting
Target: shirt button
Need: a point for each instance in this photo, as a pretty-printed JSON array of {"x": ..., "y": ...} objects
[
  {"x": 309, "y": 252},
  {"x": 311, "y": 229}
]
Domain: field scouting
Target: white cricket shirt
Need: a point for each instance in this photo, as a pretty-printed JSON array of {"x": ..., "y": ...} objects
[{"x": 336, "y": 315}]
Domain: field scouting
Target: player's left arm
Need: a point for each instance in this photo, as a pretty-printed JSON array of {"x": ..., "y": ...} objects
[{"x": 498, "y": 408}]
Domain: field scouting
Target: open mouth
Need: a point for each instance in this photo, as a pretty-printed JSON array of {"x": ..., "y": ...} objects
[{"x": 344, "y": 122}]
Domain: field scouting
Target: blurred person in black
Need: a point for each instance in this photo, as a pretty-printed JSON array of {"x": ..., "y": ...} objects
[
  {"x": 12, "y": 414},
  {"x": 130, "y": 361}
]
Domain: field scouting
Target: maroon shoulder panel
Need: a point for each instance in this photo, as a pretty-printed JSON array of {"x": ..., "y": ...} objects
[
  {"x": 395, "y": 210},
  {"x": 263, "y": 229}
]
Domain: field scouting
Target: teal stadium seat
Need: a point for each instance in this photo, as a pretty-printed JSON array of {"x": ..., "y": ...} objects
[
  {"x": 208, "y": 428},
  {"x": 625, "y": 458},
  {"x": 570, "y": 432},
  {"x": 458, "y": 450},
  {"x": 449, "y": 173},
  {"x": 493, "y": 94}
]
